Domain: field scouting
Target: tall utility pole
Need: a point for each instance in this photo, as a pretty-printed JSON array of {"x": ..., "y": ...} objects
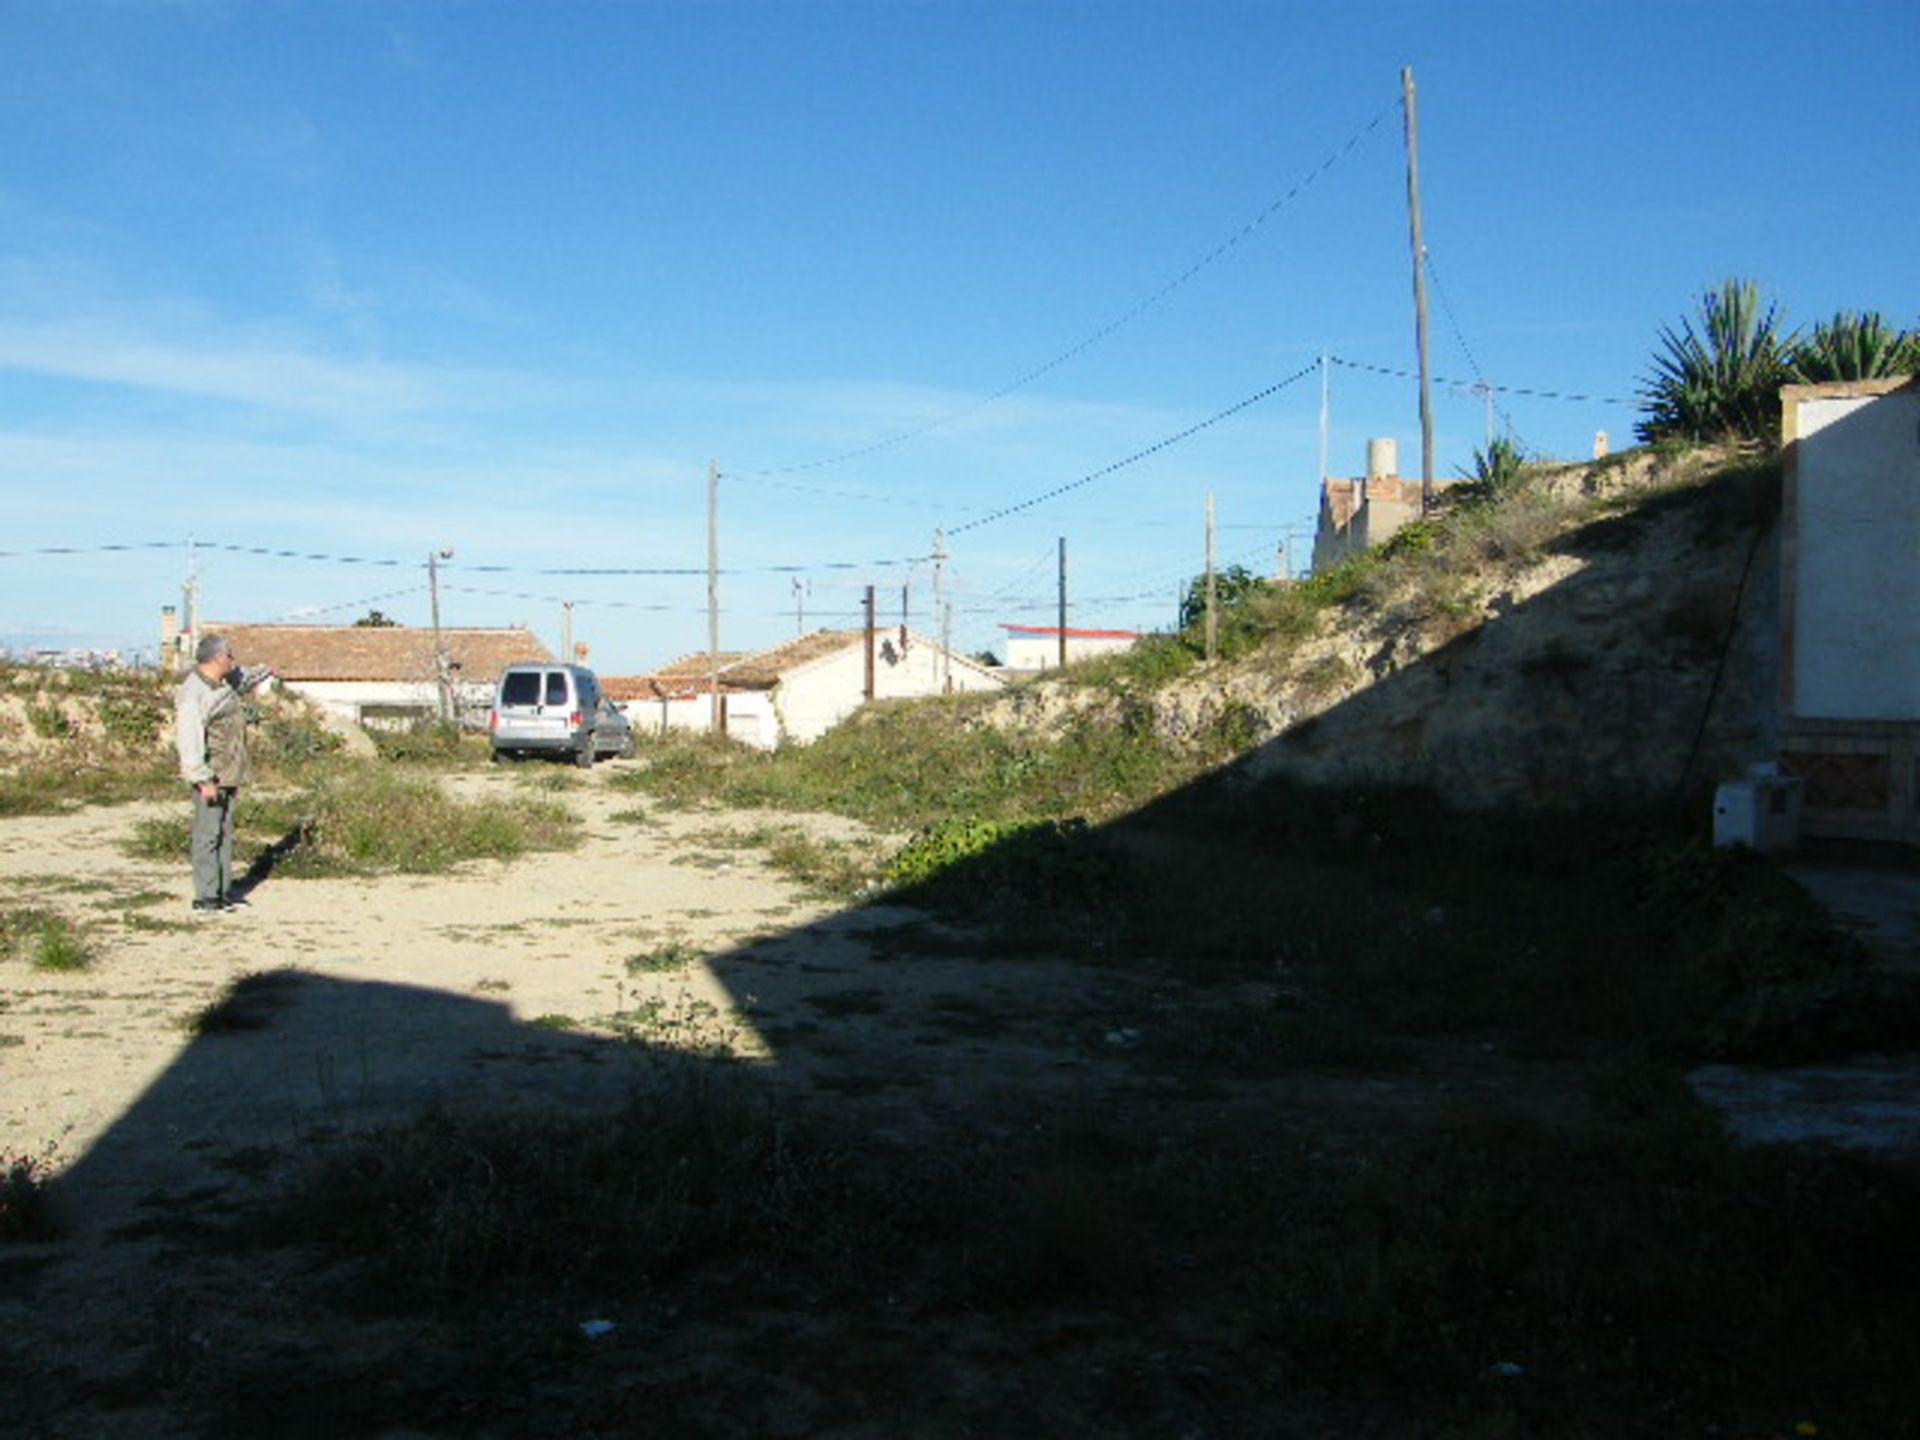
[
  {"x": 1326, "y": 409},
  {"x": 1063, "y": 602},
  {"x": 799, "y": 607},
  {"x": 190, "y": 603},
  {"x": 713, "y": 596},
  {"x": 868, "y": 691},
  {"x": 1419, "y": 286},
  {"x": 440, "y": 676},
  {"x": 566, "y": 631},
  {"x": 1213, "y": 612},
  {"x": 942, "y": 609},
  {"x": 946, "y": 647}
]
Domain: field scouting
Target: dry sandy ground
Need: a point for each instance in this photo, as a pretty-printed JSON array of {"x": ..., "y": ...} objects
[{"x": 541, "y": 977}]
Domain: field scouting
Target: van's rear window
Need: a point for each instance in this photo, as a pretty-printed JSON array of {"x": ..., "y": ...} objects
[{"x": 522, "y": 687}]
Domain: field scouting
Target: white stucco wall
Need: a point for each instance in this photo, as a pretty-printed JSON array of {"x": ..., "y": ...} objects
[
  {"x": 814, "y": 698},
  {"x": 750, "y": 717},
  {"x": 1856, "y": 548},
  {"x": 348, "y": 698},
  {"x": 1042, "y": 652},
  {"x": 811, "y": 699}
]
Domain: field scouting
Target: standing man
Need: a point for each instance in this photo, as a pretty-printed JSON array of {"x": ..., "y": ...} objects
[{"x": 210, "y": 729}]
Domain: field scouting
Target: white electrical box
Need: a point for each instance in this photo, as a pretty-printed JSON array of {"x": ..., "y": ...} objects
[{"x": 1761, "y": 812}]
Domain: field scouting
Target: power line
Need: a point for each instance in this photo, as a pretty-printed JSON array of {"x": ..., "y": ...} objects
[
  {"x": 92, "y": 549},
  {"x": 308, "y": 611},
  {"x": 1346, "y": 364},
  {"x": 1125, "y": 318},
  {"x": 1481, "y": 386},
  {"x": 1138, "y": 455}
]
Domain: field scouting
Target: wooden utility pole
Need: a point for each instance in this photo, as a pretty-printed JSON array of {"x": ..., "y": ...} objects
[
  {"x": 868, "y": 692},
  {"x": 1063, "y": 602},
  {"x": 1326, "y": 409},
  {"x": 713, "y": 596},
  {"x": 1213, "y": 595},
  {"x": 942, "y": 609},
  {"x": 440, "y": 679},
  {"x": 1419, "y": 286}
]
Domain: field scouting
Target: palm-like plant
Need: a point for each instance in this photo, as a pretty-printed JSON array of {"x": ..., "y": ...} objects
[
  {"x": 1722, "y": 380},
  {"x": 1498, "y": 470},
  {"x": 1854, "y": 345}
]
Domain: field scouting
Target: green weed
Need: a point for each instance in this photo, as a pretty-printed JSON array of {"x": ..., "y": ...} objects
[
  {"x": 670, "y": 958},
  {"x": 25, "y": 1212},
  {"x": 45, "y": 940}
]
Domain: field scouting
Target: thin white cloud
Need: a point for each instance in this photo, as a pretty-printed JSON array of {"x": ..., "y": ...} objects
[{"x": 262, "y": 375}]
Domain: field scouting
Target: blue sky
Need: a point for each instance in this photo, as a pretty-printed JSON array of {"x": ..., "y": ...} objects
[{"x": 358, "y": 281}]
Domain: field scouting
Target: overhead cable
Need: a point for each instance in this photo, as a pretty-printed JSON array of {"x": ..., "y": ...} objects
[
  {"x": 1346, "y": 364},
  {"x": 90, "y": 549},
  {"x": 1126, "y": 317},
  {"x": 1138, "y": 455},
  {"x": 1481, "y": 385},
  {"x": 307, "y": 612}
]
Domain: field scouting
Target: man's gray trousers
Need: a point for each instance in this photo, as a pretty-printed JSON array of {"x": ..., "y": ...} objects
[{"x": 212, "y": 845}]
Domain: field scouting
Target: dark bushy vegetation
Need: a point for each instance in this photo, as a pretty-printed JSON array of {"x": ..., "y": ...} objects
[
  {"x": 1634, "y": 1278},
  {"x": 1721, "y": 379}
]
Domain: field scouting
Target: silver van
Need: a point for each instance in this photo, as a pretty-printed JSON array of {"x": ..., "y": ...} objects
[{"x": 556, "y": 710}]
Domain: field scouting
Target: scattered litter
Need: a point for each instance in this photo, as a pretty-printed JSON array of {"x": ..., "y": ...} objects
[
  {"x": 1123, "y": 1037},
  {"x": 596, "y": 1329},
  {"x": 1507, "y": 1370}
]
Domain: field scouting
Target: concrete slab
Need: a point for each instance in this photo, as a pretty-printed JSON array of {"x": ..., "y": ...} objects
[{"x": 1870, "y": 1104}]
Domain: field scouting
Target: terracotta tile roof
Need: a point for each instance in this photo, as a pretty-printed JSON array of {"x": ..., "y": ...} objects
[
  {"x": 660, "y": 686},
  {"x": 762, "y": 671},
  {"x": 384, "y": 652},
  {"x": 700, "y": 663}
]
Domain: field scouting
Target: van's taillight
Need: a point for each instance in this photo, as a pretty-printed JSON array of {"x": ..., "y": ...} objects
[
  {"x": 493, "y": 720},
  {"x": 576, "y": 720}
]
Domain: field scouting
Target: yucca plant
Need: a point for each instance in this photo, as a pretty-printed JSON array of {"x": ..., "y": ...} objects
[
  {"x": 1497, "y": 470},
  {"x": 1722, "y": 380},
  {"x": 1854, "y": 345}
]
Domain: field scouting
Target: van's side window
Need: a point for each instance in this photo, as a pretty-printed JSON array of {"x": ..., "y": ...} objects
[
  {"x": 522, "y": 687},
  {"x": 556, "y": 687}
]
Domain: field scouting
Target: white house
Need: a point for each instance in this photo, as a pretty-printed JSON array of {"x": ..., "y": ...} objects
[
  {"x": 800, "y": 690},
  {"x": 382, "y": 674},
  {"x": 1032, "y": 648},
  {"x": 1849, "y": 673}
]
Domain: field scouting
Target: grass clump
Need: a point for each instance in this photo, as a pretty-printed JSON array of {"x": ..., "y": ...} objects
[
  {"x": 668, "y": 959},
  {"x": 372, "y": 820},
  {"x": 26, "y": 1213},
  {"x": 904, "y": 766},
  {"x": 44, "y": 939},
  {"x": 432, "y": 745}
]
